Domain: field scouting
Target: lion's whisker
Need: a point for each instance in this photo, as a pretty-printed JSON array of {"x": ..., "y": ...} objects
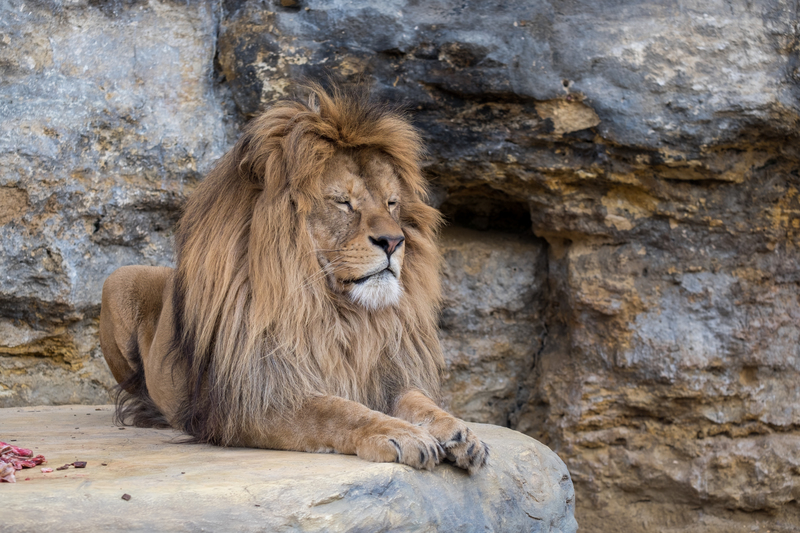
[
  {"x": 322, "y": 272},
  {"x": 328, "y": 250},
  {"x": 312, "y": 279}
]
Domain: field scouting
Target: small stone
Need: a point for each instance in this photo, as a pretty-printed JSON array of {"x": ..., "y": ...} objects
[
  {"x": 79, "y": 464},
  {"x": 126, "y": 497}
]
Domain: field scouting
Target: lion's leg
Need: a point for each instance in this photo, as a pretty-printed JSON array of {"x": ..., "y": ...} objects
[
  {"x": 331, "y": 423},
  {"x": 131, "y": 306},
  {"x": 118, "y": 325},
  {"x": 117, "y": 362},
  {"x": 461, "y": 445}
]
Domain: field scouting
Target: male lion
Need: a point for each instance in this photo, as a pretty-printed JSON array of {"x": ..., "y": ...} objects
[{"x": 302, "y": 313}]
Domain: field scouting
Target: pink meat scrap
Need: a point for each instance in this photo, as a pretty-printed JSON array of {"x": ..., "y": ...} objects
[{"x": 13, "y": 458}]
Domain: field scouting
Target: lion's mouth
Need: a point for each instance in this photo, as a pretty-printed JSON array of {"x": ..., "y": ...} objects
[
  {"x": 361, "y": 280},
  {"x": 379, "y": 288}
]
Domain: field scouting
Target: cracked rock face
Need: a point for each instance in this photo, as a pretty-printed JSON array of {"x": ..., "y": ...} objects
[
  {"x": 109, "y": 116},
  {"x": 492, "y": 323},
  {"x": 621, "y": 180}
]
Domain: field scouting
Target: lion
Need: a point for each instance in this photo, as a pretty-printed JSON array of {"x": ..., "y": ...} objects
[{"x": 302, "y": 314}]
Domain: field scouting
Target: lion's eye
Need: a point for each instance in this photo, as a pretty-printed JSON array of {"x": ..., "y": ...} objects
[
  {"x": 344, "y": 204},
  {"x": 391, "y": 203}
]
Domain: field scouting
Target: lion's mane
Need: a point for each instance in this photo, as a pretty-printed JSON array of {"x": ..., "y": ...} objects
[{"x": 257, "y": 327}]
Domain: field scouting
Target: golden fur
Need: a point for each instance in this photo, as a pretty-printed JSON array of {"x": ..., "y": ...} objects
[{"x": 257, "y": 338}]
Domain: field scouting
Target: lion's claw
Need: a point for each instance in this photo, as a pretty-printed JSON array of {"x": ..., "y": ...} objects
[
  {"x": 470, "y": 454},
  {"x": 461, "y": 446},
  {"x": 410, "y": 445}
]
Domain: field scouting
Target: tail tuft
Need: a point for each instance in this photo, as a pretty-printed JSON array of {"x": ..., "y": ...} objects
[{"x": 133, "y": 403}]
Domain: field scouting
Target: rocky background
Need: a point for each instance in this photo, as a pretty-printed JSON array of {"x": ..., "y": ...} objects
[{"x": 622, "y": 182}]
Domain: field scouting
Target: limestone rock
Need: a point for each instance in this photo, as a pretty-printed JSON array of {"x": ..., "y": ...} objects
[
  {"x": 108, "y": 116},
  {"x": 492, "y": 321},
  {"x": 180, "y": 487},
  {"x": 649, "y": 75}
]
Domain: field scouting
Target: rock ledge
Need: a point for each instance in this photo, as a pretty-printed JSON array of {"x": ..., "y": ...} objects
[{"x": 182, "y": 487}]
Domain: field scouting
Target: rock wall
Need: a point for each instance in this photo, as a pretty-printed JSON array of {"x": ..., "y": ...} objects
[
  {"x": 621, "y": 181},
  {"x": 110, "y": 114}
]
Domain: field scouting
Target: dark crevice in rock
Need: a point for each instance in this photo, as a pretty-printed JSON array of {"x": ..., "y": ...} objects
[
  {"x": 219, "y": 75},
  {"x": 36, "y": 312},
  {"x": 483, "y": 208},
  {"x": 453, "y": 96},
  {"x": 289, "y": 6},
  {"x": 524, "y": 389},
  {"x": 392, "y": 53}
]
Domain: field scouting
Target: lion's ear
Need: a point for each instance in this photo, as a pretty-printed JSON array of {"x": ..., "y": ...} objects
[
  {"x": 258, "y": 159},
  {"x": 242, "y": 155}
]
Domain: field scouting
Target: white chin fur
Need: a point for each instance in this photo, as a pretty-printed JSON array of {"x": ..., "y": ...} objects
[{"x": 381, "y": 290}]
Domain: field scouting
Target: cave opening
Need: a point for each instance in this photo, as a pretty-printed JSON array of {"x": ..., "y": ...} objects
[{"x": 486, "y": 209}]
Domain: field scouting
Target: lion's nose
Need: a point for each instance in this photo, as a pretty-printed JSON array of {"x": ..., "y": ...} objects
[{"x": 388, "y": 243}]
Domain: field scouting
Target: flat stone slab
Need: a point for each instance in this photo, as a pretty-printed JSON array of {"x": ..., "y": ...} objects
[{"x": 192, "y": 487}]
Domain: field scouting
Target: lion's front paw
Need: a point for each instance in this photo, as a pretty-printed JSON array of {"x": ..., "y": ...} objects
[
  {"x": 405, "y": 444},
  {"x": 460, "y": 444}
]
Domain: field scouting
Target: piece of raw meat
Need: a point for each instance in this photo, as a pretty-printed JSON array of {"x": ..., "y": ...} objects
[
  {"x": 13, "y": 458},
  {"x": 7, "y": 473}
]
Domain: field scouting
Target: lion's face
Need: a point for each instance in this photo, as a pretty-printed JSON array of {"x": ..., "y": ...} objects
[{"x": 356, "y": 229}]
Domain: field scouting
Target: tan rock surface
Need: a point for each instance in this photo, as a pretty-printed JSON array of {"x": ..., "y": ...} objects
[{"x": 183, "y": 487}]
